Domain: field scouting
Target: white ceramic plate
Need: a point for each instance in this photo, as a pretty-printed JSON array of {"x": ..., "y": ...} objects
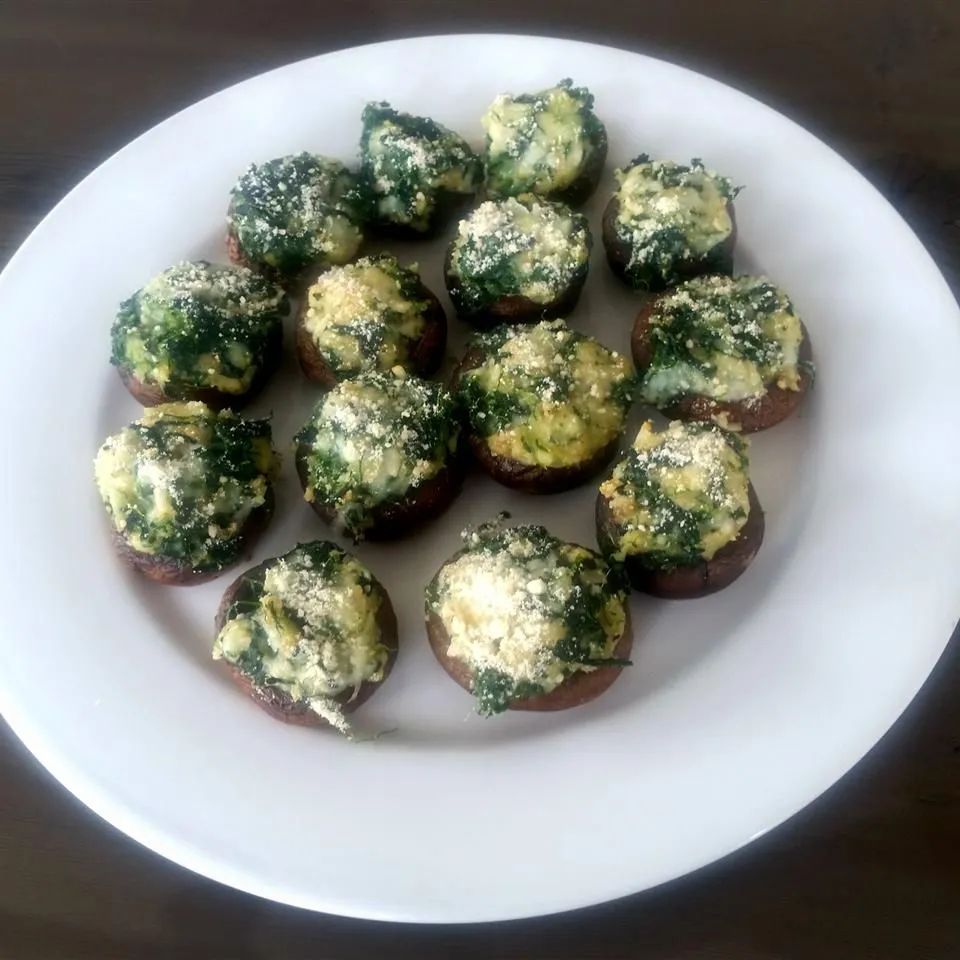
[{"x": 740, "y": 708}]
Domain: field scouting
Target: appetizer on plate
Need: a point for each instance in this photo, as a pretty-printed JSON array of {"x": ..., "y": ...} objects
[
  {"x": 309, "y": 635},
  {"x": 667, "y": 222},
  {"x": 379, "y": 456},
  {"x": 548, "y": 143},
  {"x": 525, "y": 621},
  {"x": 415, "y": 170},
  {"x": 545, "y": 406},
  {"x": 187, "y": 489},
  {"x": 723, "y": 345},
  {"x": 295, "y": 212},
  {"x": 199, "y": 331},
  {"x": 679, "y": 510},
  {"x": 520, "y": 259},
  {"x": 372, "y": 315}
]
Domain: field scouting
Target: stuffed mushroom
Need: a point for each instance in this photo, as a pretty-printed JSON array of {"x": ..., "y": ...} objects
[
  {"x": 668, "y": 222},
  {"x": 545, "y": 405},
  {"x": 526, "y": 621},
  {"x": 520, "y": 259},
  {"x": 187, "y": 489},
  {"x": 199, "y": 331},
  {"x": 372, "y": 315},
  {"x": 548, "y": 143},
  {"x": 295, "y": 212},
  {"x": 380, "y": 455},
  {"x": 730, "y": 346},
  {"x": 414, "y": 170},
  {"x": 309, "y": 635},
  {"x": 679, "y": 510}
]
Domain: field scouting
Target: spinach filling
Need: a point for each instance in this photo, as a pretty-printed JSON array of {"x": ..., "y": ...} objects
[
  {"x": 554, "y": 395},
  {"x": 366, "y": 315},
  {"x": 306, "y": 626},
  {"x": 199, "y": 325},
  {"x": 409, "y": 163},
  {"x": 325, "y": 562},
  {"x": 294, "y": 211}
]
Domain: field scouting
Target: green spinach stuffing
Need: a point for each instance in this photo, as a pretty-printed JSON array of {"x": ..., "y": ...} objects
[
  {"x": 726, "y": 338},
  {"x": 366, "y": 315},
  {"x": 672, "y": 221},
  {"x": 546, "y": 395},
  {"x": 680, "y": 494},
  {"x": 306, "y": 627}
]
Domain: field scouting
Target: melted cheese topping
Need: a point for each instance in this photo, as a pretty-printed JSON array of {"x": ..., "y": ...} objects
[
  {"x": 311, "y": 631},
  {"x": 182, "y": 481},
  {"x": 519, "y": 247},
  {"x": 507, "y": 605},
  {"x": 539, "y": 143},
  {"x": 723, "y": 338},
  {"x": 565, "y": 395},
  {"x": 681, "y": 494},
  {"x": 361, "y": 317}
]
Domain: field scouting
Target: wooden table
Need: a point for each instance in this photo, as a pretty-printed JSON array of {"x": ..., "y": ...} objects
[{"x": 871, "y": 869}]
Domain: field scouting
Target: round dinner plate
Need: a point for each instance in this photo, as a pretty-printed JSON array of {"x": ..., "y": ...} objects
[{"x": 739, "y": 708}]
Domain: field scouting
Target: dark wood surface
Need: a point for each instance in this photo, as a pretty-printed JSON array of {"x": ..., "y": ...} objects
[{"x": 872, "y": 868}]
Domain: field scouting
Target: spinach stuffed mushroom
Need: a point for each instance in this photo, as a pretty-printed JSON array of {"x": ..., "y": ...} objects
[
  {"x": 679, "y": 510},
  {"x": 295, "y": 212},
  {"x": 379, "y": 455},
  {"x": 414, "y": 169},
  {"x": 526, "y": 621},
  {"x": 545, "y": 405},
  {"x": 199, "y": 331},
  {"x": 370, "y": 315},
  {"x": 668, "y": 222},
  {"x": 723, "y": 345},
  {"x": 186, "y": 489},
  {"x": 548, "y": 143},
  {"x": 309, "y": 635},
  {"x": 518, "y": 259}
]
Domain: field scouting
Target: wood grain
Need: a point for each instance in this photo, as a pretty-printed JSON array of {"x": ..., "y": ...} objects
[{"x": 870, "y": 870}]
